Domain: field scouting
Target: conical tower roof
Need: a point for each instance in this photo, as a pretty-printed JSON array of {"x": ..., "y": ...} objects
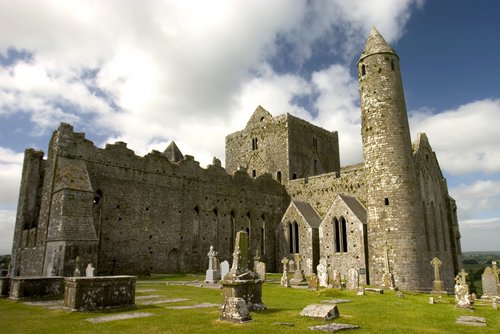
[
  {"x": 173, "y": 153},
  {"x": 376, "y": 44}
]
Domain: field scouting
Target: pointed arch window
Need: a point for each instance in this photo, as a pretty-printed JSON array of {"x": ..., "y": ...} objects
[{"x": 340, "y": 227}]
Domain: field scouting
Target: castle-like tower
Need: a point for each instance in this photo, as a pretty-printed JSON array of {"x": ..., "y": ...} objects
[{"x": 395, "y": 232}]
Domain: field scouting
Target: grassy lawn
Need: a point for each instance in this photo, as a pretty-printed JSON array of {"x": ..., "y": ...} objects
[{"x": 374, "y": 313}]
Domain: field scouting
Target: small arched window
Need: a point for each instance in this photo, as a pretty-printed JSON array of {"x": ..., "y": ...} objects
[
  {"x": 392, "y": 64},
  {"x": 363, "y": 70}
]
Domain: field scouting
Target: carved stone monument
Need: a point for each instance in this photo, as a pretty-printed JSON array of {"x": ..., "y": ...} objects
[
  {"x": 89, "y": 271},
  {"x": 490, "y": 283},
  {"x": 212, "y": 273},
  {"x": 336, "y": 280},
  {"x": 314, "y": 282},
  {"x": 322, "y": 270},
  {"x": 353, "y": 279},
  {"x": 387, "y": 278},
  {"x": 285, "y": 280},
  {"x": 462, "y": 297},
  {"x": 437, "y": 284},
  {"x": 259, "y": 266},
  {"x": 298, "y": 275},
  {"x": 240, "y": 284},
  {"x": 224, "y": 268}
]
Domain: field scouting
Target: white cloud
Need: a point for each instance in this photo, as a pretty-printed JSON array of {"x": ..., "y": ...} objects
[
  {"x": 7, "y": 222},
  {"x": 466, "y": 138},
  {"x": 480, "y": 234},
  {"x": 477, "y": 198},
  {"x": 165, "y": 64},
  {"x": 10, "y": 175}
]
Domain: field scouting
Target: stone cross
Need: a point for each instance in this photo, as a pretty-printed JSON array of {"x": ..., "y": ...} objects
[
  {"x": 212, "y": 259},
  {"x": 436, "y": 263},
  {"x": 463, "y": 277},
  {"x": 240, "y": 255},
  {"x": 322, "y": 270},
  {"x": 285, "y": 280}
]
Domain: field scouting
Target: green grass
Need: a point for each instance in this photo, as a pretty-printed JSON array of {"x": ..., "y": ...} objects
[{"x": 374, "y": 313}]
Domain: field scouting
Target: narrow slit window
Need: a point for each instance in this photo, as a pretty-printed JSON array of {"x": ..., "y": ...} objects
[
  {"x": 392, "y": 65},
  {"x": 254, "y": 173},
  {"x": 386, "y": 201},
  {"x": 363, "y": 70}
]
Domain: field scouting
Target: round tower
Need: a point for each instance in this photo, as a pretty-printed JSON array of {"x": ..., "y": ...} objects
[{"x": 395, "y": 234}]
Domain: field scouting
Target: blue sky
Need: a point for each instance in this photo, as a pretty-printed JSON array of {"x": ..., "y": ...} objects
[{"x": 193, "y": 71}]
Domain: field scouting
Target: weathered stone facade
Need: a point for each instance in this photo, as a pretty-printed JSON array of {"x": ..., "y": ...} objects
[{"x": 385, "y": 217}]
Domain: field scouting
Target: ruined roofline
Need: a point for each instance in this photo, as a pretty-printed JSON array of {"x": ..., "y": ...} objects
[{"x": 75, "y": 146}]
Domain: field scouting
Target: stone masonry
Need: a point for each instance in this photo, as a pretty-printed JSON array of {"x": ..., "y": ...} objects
[{"x": 283, "y": 184}]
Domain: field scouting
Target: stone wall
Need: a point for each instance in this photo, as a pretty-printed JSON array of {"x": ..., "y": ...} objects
[{"x": 32, "y": 287}]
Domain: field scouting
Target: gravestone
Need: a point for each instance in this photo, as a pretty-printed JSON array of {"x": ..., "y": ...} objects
[
  {"x": 89, "y": 271},
  {"x": 490, "y": 283},
  {"x": 353, "y": 279},
  {"x": 323, "y": 311},
  {"x": 298, "y": 275},
  {"x": 387, "y": 278},
  {"x": 212, "y": 273},
  {"x": 285, "y": 280},
  {"x": 360, "y": 291},
  {"x": 241, "y": 284},
  {"x": 437, "y": 284},
  {"x": 259, "y": 266},
  {"x": 462, "y": 297},
  {"x": 322, "y": 270},
  {"x": 224, "y": 268},
  {"x": 336, "y": 280},
  {"x": 314, "y": 282},
  {"x": 291, "y": 266}
]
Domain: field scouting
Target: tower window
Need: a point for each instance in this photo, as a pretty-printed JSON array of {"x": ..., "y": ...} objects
[
  {"x": 294, "y": 176},
  {"x": 363, "y": 70},
  {"x": 392, "y": 64},
  {"x": 315, "y": 143},
  {"x": 386, "y": 201},
  {"x": 254, "y": 144},
  {"x": 278, "y": 176},
  {"x": 254, "y": 173}
]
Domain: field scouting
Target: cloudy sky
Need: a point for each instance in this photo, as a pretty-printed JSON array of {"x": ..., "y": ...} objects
[{"x": 148, "y": 72}]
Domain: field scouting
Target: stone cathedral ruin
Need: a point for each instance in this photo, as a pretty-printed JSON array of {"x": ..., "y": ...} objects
[{"x": 283, "y": 184}]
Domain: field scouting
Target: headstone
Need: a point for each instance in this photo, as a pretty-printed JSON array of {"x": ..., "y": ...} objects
[
  {"x": 260, "y": 268},
  {"x": 235, "y": 309},
  {"x": 490, "y": 283},
  {"x": 224, "y": 268},
  {"x": 298, "y": 275},
  {"x": 212, "y": 273},
  {"x": 322, "y": 270},
  {"x": 431, "y": 300},
  {"x": 437, "y": 284},
  {"x": 387, "y": 278},
  {"x": 353, "y": 279},
  {"x": 285, "y": 280},
  {"x": 462, "y": 297},
  {"x": 323, "y": 311},
  {"x": 291, "y": 266},
  {"x": 400, "y": 294},
  {"x": 336, "y": 280},
  {"x": 77, "y": 273},
  {"x": 360, "y": 291},
  {"x": 314, "y": 282},
  {"x": 241, "y": 285},
  {"x": 89, "y": 271}
]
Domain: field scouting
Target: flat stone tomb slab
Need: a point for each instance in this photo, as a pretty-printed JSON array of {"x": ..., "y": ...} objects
[
  {"x": 336, "y": 301},
  {"x": 323, "y": 311},
  {"x": 122, "y": 316},
  {"x": 185, "y": 307},
  {"x": 471, "y": 321},
  {"x": 162, "y": 301},
  {"x": 147, "y": 297},
  {"x": 333, "y": 327}
]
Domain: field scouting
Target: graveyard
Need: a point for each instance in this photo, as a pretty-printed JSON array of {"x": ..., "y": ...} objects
[
  {"x": 235, "y": 297},
  {"x": 161, "y": 296}
]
